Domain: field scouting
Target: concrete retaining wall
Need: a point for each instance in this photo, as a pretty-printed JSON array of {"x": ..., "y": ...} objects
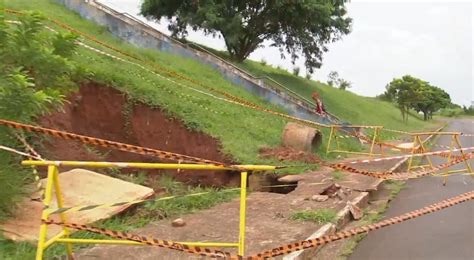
[{"x": 142, "y": 35}]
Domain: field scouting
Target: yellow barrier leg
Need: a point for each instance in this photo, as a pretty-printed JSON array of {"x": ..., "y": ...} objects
[
  {"x": 373, "y": 142},
  {"x": 243, "y": 205},
  {"x": 456, "y": 138},
  {"x": 413, "y": 151},
  {"x": 451, "y": 147},
  {"x": 424, "y": 150},
  {"x": 337, "y": 141},
  {"x": 330, "y": 139},
  {"x": 60, "y": 202},
  {"x": 44, "y": 215}
]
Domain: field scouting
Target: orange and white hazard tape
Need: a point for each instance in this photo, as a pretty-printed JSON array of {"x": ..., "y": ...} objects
[
  {"x": 277, "y": 251},
  {"x": 443, "y": 153},
  {"x": 109, "y": 144},
  {"x": 144, "y": 240},
  {"x": 401, "y": 176},
  {"x": 315, "y": 242}
]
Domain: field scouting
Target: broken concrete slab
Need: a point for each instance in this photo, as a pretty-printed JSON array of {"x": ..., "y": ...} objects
[{"x": 79, "y": 187}]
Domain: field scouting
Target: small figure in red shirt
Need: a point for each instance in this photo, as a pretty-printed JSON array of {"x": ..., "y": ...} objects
[{"x": 319, "y": 105}]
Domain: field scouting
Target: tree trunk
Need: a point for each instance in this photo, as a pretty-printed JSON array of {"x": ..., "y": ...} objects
[{"x": 239, "y": 51}]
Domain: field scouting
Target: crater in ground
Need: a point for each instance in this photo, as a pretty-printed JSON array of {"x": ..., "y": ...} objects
[{"x": 104, "y": 112}]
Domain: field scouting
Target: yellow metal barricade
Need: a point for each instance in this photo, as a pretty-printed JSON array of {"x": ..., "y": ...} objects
[
  {"x": 333, "y": 136},
  {"x": 420, "y": 147},
  {"x": 53, "y": 188}
]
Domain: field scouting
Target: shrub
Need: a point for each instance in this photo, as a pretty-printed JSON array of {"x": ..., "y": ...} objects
[{"x": 296, "y": 71}]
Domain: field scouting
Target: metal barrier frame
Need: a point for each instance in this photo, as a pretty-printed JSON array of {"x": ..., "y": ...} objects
[
  {"x": 333, "y": 135},
  {"x": 53, "y": 187},
  {"x": 455, "y": 144}
]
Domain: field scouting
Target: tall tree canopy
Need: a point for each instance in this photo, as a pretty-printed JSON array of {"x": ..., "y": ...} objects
[
  {"x": 410, "y": 92},
  {"x": 303, "y": 26}
]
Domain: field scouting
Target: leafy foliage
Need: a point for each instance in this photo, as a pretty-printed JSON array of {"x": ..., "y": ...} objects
[
  {"x": 335, "y": 81},
  {"x": 35, "y": 74},
  {"x": 295, "y": 26},
  {"x": 410, "y": 92}
]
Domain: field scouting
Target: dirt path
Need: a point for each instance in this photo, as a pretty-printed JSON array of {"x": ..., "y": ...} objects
[
  {"x": 268, "y": 220},
  {"x": 444, "y": 235}
]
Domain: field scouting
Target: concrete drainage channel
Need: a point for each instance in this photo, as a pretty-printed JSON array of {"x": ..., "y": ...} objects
[{"x": 346, "y": 215}]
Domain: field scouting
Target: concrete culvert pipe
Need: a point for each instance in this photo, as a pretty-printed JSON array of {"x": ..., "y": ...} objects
[{"x": 300, "y": 137}]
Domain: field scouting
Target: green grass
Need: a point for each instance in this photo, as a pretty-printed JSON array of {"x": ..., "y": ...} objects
[
  {"x": 319, "y": 216},
  {"x": 344, "y": 104},
  {"x": 338, "y": 175},
  {"x": 241, "y": 131}
]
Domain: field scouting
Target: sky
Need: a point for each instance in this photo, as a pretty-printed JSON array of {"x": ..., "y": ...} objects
[{"x": 431, "y": 40}]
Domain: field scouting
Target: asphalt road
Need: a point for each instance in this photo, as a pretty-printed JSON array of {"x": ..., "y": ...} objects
[{"x": 447, "y": 234}]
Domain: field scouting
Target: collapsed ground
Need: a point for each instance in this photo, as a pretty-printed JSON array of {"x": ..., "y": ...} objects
[{"x": 122, "y": 102}]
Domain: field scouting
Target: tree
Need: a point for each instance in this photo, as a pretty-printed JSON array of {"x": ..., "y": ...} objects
[
  {"x": 333, "y": 78},
  {"x": 344, "y": 84},
  {"x": 295, "y": 26},
  {"x": 410, "y": 92},
  {"x": 430, "y": 99},
  {"x": 402, "y": 92},
  {"x": 335, "y": 81}
]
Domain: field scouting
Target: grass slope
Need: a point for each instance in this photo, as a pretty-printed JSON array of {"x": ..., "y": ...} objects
[
  {"x": 344, "y": 104},
  {"x": 241, "y": 131}
]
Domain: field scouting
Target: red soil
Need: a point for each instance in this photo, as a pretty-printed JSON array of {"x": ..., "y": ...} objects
[
  {"x": 288, "y": 154},
  {"x": 104, "y": 112}
]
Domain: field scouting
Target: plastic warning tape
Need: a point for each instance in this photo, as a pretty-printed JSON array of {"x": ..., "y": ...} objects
[
  {"x": 9, "y": 149},
  {"x": 277, "y": 251},
  {"x": 144, "y": 240},
  {"x": 108, "y": 144},
  {"x": 401, "y": 176},
  {"x": 441, "y": 153},
  {"x": 231, "y": 97},
  {"x": 310, "y": 243},
  {"x": 369, "y": 140}
]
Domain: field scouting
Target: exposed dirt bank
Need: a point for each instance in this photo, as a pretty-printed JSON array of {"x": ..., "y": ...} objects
[{"x": 104, "y": 112}]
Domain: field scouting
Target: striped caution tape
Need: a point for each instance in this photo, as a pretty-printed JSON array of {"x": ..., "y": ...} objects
[
  {"x": 230, "y": 98},
  {"x": 369, "y": 140},
  {"x": 108, "y": 144},
  {"x": 37, "y": 156},
  {"x": 405, "y": 175},
  {"x": 145, "y": 240},
  {"x": 28, "y": 146},
  {"x": 277, "y": 251},
  {"x": 310, "y": 243},
  {"x": 9, "y": 149},
  {"x": 442, "y": 153}
]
